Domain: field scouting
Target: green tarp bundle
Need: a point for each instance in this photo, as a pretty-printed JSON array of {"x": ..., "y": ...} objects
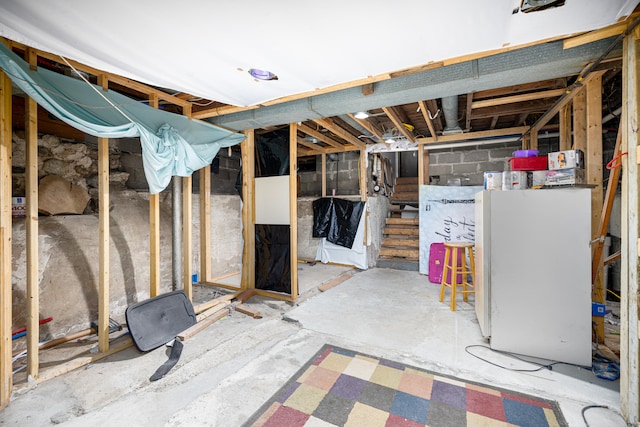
[{"x": 172, "y": 145}]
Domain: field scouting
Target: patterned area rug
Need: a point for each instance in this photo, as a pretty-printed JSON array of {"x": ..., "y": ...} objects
[{"x": 338, "y": 387}]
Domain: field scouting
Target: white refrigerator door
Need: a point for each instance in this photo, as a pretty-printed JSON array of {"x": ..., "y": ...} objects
[{"x": 540, "y": 273}]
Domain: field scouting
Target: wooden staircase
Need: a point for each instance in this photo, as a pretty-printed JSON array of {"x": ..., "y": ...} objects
[{"x": 400, "y": 247}]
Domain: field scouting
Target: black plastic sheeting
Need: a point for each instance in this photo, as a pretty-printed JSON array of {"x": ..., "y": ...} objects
[
  {"x": 273, "y": 258},
  {"x": 272, "y": 153},
  {"x": 337, "y": 220},
  {"x": 272, "y": 156}
]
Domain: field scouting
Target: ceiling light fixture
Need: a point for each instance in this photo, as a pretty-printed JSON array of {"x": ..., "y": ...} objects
[
  {"x": 361, "y": 115},
  {"x": 262, "y": 74}
]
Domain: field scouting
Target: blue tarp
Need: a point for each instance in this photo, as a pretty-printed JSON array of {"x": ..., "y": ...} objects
[{"x": 172, "y": 145}]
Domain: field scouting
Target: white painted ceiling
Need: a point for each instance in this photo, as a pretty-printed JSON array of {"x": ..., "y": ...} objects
[{"x": 205, "y": 48}]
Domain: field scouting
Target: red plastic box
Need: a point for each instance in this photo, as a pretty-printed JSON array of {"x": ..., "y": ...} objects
[{"x": 538, "y": 163}]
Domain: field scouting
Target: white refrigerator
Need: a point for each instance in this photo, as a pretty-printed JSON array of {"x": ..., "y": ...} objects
[{"x": 533, "y": 272}]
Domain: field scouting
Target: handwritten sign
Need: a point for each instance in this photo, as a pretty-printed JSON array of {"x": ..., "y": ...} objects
[{"x": 447, "y": 214}]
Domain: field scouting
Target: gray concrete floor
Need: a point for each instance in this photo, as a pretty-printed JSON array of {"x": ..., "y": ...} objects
[{"x": 227, "y": 371}]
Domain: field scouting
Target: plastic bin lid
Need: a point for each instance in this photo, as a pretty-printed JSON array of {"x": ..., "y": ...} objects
[{"x": 158, "y": 320}]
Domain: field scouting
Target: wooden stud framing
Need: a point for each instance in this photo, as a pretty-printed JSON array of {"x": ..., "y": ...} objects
[
  {"x": 293, "y": 208},
  {"x": 103, "y": 244},
  {"x": 31, "y": 178},
  {"x": 324, "y": 174},
  {"x": 580, "y": 121},
  {"x": 154, "y": 232},
  {"x": 630, "y": 331},
  {"x": 565, "y": 128},
  {"x": 248, "y": 214},
  {"x": 362, "y": 175},
  {"x": 187, "y": 240},
  {"x": 6, "y": 376},
  {"x": 205, "y": 223},
  {"x": 593, "y": 160}
]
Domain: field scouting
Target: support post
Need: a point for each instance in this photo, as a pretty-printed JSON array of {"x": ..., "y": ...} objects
[
  {"x": 293, "y": 207},
  {"x": 31, "y": 178},
  {"x": 580, "y": 121},
  {"x": 323, "y": 156},
  {"x": 629, "y": 331},
  {"x": 103, "y": 251},
  {"x": 593, "y": 162},
  {"x": 6, "y": 375},
  {"x": 565, "y": 128},
  {"x": 205, "y": 223},
  {"x": 187, "y": 250},
  {"x": 248, "y": 215}
]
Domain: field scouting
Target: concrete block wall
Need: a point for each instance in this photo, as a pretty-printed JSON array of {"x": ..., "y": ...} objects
[{"x": 342, "y": 174}]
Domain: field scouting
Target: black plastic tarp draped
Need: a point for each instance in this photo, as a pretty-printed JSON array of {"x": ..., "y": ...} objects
[{"x": 337, "y": 220}]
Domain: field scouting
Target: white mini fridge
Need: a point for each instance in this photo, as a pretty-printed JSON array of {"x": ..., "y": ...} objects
[{"x": 533, "y": 272}]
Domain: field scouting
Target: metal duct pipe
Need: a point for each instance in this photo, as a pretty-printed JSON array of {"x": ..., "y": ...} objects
[
  {"x": 450, "y": 111},
  {"x": 176, "y": 244}
]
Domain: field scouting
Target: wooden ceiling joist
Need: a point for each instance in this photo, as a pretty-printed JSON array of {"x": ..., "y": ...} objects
[
  {"x": 311, "y": 146},
  {"x": 426, "y": 114},
  {"x": 365, "y": 123},
  {"x": 320, "y": 136},
  {"x": 399, "y": 123},
  {"x": 518, "y": 98},
  {"x": 340, "y": 132}
]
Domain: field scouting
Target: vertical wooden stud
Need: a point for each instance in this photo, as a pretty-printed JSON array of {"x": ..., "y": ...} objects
[
  {"x": 323, "y": 156},
  {"x": 565, "y": 128},
  {"x": 6, "y": 375},
  {"x": 154, "y": 231},
  {"x": 362, "y": 176},
  {"x": 580, "y": 120},
  {"x": 593, "y": 162},
  {"x": 293, "y": 207},
  {"x": 248, "y": 216},
  {"x": 187, "y": 239},
  {"x": 629, "y": 319},
  {"x": 31, "y": 177},
  {"x": 205, "y": 223},
  {"x": 103, "y": 219}
]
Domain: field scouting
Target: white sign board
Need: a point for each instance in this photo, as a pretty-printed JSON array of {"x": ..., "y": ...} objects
[{"x": 446, "y": 215}]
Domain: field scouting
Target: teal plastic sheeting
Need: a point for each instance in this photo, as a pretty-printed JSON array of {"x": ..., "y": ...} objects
[{"x": 172, "y": 145}]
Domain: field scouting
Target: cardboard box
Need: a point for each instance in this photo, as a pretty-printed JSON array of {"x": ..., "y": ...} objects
[
  {"x": 493, "y": 180},
  {"x": 18, "y": 207},
  {"x": 565, "y": 177},
  {"x": 566, "y": 160},
  {"x": 514, "y": 180},
  {"x": 537, "y": 163},
  {"x": 538, "y": 179}
]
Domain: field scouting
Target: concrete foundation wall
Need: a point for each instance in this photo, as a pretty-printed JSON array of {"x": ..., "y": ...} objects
[{"x": 68, "y": 258}]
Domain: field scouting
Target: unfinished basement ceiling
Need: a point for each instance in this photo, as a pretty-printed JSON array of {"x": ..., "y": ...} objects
[{"x": 498, "y": 66}]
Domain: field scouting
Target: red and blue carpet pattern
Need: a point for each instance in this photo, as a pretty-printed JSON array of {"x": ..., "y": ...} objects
[{"x": 338, "y": 387}]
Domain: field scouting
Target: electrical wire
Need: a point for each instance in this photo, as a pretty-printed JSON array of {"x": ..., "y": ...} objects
[
  {"x": 586, "y": 408},
  {"x": 540, "y": 367}
]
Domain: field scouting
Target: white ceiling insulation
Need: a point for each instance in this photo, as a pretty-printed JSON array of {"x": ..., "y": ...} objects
[{"x": 205, "y": 48}]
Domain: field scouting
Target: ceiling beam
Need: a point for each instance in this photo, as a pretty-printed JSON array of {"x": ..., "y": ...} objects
[
  {"x": 395, "y": 118},
  {"x": 426, "y": 114},
  {"x": 469, "y": 136},
  {"x": 311, "y": 145},
  {"x": 370, "y": 127},
  {"x": 337, "y": 130},
  {"x": 518, "y": 98},
  {"x": 322, "y": 137}
]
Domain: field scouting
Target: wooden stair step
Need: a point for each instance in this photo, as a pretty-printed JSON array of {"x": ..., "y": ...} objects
[
  {"x": 396, "y": 242},
  {"x": 405, "y": 253},
  {"x": 403, "y": 221},
  {"x": 406, "y": 188},
  {"x": 413, "y": 231}
]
